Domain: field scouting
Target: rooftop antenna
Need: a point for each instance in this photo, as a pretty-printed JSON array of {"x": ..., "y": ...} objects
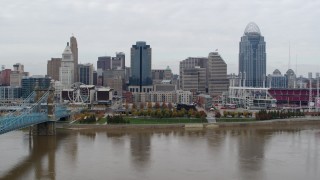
[
  {"x": 289, "y": 57},
  {"x": 310, "y": 91},
  {"x": 297, "y": 64}
]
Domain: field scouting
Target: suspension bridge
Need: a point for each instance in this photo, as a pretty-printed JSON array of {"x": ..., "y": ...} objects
[{"x": 38, "y": 111}]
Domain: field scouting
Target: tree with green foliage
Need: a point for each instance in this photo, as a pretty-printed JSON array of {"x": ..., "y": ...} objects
[{"x": 116, "y": 120}]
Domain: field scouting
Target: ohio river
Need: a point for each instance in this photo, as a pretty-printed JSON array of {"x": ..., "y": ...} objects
[{"x": 247, "y": 154}]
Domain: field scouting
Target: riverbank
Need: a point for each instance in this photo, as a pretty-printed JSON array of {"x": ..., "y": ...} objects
[{"x": 267, "y": 123}]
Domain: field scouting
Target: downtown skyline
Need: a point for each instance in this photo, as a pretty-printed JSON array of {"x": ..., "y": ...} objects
[{"x": 33, "y": 33}]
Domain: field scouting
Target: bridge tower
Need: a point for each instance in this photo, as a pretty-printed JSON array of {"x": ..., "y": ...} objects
[{"x": 46, "y": 128}]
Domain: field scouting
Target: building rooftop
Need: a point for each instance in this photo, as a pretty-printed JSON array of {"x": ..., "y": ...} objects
[{"x": 252, "y": 29}]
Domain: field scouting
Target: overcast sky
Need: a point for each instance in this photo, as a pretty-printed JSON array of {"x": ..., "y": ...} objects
[{"x": 31, "y": 32}]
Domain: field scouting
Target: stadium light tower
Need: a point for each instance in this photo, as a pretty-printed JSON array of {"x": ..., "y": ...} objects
[
  {"x": 310, "y": 90},
  {"x": 317, "y": 99}
]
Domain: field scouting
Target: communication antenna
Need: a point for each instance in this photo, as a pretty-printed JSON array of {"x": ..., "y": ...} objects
[
  {"x": 310, "y": 91},
  {"x": 296, "y": 64},
  {"x": 317, "y": 99},
  {"x": 289, "y": 64}
]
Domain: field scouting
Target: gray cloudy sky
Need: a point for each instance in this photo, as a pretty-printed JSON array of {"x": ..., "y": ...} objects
[{"x": 32, "y": 32}]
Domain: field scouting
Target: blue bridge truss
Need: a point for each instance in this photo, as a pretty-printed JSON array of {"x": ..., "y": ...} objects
[{"x": 30, "y": 113}]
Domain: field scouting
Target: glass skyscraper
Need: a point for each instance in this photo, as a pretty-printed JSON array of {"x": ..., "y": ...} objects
[
  {"x": 141, "y": 77},
  {"x": 252, "y": 57},
  {"x": 28, "y": 84}
]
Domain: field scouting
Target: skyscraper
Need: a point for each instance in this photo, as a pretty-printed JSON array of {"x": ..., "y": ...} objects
[
  {"x": 53, "y": 67},
  {"x": 291, "y": 78},
  {"x": 276, "y": 80},
  {"x": 118, "y": 62},
  {"x": 140, "y": 79},
  {"x": 191, "y": 66},
  {"x": 17, "y": 74},
  {"x": 28, "y": 84},
  {"x": 5, "y": 77},
  {"x": 194, "y": 79},
  {"x": 74, "y": 50},
  {"x": 66, "y": 74},
  {"x": 104, "y": 63},
  {"x": 86, "y": 73},
  {"x": 252, "y": 56},
  {"x": 217, "y": 68}
]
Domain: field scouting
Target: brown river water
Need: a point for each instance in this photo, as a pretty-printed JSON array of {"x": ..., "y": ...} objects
[{"x": 246, "y": 154}]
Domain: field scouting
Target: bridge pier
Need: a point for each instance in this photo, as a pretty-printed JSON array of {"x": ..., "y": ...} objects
[{"x": 44, "y": 129}]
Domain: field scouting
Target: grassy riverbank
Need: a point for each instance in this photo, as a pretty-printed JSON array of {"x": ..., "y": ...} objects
[
  {"x": 140, "y": 120},
  {"x": 236, "y": 120},
  {"x": 283, "y": 123}
]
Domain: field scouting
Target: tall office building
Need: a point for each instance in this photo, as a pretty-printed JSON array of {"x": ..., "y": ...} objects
[
  {"x": 104, "y": 63},
  {"x": 252, "y": 56},
  {"x": 161, "y": 74},
  {"x": 192, "y": 63},
  {"x": 28, "y": 84},
  {"x": 5, "y": 77},
  {"x": 140, "y": 79},
  {"x": 115, "y": 79},
  {"x": 194, "y": 79},
  {"x": 85, "y": 73},
  {"x": 217, "y": 68},
  {"x": 66, "y": 74},
  {"x": 8, "y": 93},
  {"x": 276, "y": 80},
  {"x": 18, "y": 67},
  {"x": 17, "y": 74},
  {"x": 291, "y": 79},
  {"x": 118, "y": 62},
  {"x": 53, "y": 67},
  {"x": 74, "y": 50}
]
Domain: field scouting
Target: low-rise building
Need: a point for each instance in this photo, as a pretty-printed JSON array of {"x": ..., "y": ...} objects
[
  {"x": 183, "y": 97},
  {"x": 8, "y": 94}
]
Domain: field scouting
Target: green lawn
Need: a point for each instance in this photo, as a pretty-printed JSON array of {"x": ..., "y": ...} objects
[
  {"x": 100, "y": 121},
  {"x": 235, "y": 119},
  {"x": 147, "y": 120},
  {"x": 141, "y": 120}
]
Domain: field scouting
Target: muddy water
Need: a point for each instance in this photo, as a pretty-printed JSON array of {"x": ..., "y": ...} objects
[{"x": 247, "y": 154}]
